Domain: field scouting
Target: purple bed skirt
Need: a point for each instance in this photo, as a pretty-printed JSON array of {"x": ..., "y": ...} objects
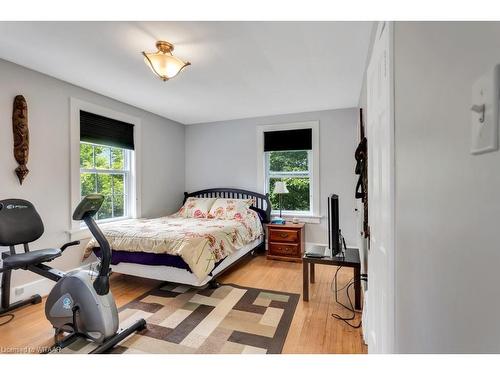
[{"x": 149, "y": 259}]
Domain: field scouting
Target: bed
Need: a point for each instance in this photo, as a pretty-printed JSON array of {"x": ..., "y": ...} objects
[{"x": 188, "y": 250}]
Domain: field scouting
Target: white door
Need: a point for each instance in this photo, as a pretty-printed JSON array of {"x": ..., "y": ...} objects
[{"x": 380, "y": 134}]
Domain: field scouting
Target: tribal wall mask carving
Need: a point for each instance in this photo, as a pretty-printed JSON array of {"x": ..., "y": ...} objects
[{"x": 21, "y": 136}]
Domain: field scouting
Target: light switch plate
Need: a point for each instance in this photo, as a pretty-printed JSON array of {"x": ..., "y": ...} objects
[{"x": 485, "y": 91}]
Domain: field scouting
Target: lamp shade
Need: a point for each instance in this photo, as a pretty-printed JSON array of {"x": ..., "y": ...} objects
[
  {"x": 163, "y": 63},
  {"x": 280, "y": 188}
]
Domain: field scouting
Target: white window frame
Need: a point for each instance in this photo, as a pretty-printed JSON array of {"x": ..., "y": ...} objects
[
  {"x": 302, "y": 174},
  {"x": 313, "y": 216},
  {"x": 77, "y": 231},
  {"x": 127, "y": 181}
]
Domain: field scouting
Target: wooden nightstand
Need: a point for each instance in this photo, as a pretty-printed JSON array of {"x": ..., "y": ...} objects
[{"x": 285, "y": 242}]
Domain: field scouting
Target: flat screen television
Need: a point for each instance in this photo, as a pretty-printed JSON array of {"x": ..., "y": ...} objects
[{"x": 334, "y": 236}]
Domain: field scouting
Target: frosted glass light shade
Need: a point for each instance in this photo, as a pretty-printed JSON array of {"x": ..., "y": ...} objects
[
  {"x": 163, "y": 63},
  {"x": 280, "y": 188}
]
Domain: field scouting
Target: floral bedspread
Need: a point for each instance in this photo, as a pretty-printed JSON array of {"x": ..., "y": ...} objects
[{"x": 199, "y": 242}]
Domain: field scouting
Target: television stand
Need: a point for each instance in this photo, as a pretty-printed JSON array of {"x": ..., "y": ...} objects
[{"x": 350, "y": 260}]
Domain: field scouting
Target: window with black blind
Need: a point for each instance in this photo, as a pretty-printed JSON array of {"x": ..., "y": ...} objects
[
  {"x": 106, "y": 151},
  {"x": 288, "y": 158}
]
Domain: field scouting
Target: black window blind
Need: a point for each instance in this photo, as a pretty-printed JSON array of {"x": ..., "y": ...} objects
[
  {"x": 288, "y": 140},
  {"x": 106, "y": 131}
]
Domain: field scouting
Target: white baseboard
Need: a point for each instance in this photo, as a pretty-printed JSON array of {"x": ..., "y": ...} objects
[{"x": 41, "y": 286}]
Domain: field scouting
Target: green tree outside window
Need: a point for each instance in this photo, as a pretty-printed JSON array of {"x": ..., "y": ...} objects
[
  {"x": 292, "y": 167},
  {"x": 103, "y": 170}
]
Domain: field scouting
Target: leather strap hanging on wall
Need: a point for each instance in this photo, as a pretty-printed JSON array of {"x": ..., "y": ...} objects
[{"x": 361, "y": 156}]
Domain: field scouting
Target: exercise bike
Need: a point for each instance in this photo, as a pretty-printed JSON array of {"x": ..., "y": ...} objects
[{"x": 80, "y": 304}]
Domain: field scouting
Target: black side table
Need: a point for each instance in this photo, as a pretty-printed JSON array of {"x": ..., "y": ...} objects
[{"x": 351, "y": 260}]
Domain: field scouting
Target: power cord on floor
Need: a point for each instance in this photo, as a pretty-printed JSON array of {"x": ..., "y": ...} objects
[
  {"x": 333, "y": 286},
  {"x": 10, "y": 319},
  {"x": 350, "y": 283},
  {"x": 346, "y": 320}
]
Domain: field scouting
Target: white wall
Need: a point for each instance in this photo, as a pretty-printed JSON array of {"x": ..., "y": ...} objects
[
  {"x": 447, "y": 205},
  {"x": 48, "y": 183},
  {"x": 224, "y": 154}
]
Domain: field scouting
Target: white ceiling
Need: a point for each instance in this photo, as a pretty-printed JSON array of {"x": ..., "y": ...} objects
[{"x": 239, "y": 69}]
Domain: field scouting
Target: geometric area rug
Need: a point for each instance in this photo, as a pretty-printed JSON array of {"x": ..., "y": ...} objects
[{"x": 228, "y": 319}]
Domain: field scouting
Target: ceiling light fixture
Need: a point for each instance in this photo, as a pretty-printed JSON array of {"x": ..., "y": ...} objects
[{"x": 163, "y": 63}]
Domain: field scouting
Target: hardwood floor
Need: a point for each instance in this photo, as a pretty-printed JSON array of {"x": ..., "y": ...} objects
[{"x": 313, "y": 330}]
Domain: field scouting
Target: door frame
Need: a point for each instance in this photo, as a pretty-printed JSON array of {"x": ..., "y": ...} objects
[{"x": 389, "y": 338}]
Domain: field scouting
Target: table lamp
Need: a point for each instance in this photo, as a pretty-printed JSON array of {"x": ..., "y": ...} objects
[{"x": 280, "y": 189}]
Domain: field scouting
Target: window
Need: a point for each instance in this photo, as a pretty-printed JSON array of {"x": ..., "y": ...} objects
[
  {"x": 292, "y": 167},
  {"x": 290, "y": 153},
  {"x": 106, "y": 170},
  {"x": 105, "y": 155}
]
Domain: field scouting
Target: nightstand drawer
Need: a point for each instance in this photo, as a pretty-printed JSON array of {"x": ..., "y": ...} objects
[
  {"x": 285, "y": 242},
  {"x": 284, "y": 249},
  {"x": 281, "y": 235}
]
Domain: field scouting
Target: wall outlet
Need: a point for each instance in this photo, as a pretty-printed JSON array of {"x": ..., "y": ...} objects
[{"x": 18, "y": 291}]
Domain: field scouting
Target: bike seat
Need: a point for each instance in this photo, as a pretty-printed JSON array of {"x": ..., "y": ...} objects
[{"x": 32, "y": 257}]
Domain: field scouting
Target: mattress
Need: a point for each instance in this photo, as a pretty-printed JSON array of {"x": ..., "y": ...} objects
[{"x": 183, "y": 276}]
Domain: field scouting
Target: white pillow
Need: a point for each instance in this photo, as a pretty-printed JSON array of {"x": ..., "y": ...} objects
[
  {"x": 196, "y": 207},
  {"x": 228, "y": 208}
]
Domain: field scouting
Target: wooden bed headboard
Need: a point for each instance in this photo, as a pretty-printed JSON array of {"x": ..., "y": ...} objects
[{"x": 262, "y": 203}]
